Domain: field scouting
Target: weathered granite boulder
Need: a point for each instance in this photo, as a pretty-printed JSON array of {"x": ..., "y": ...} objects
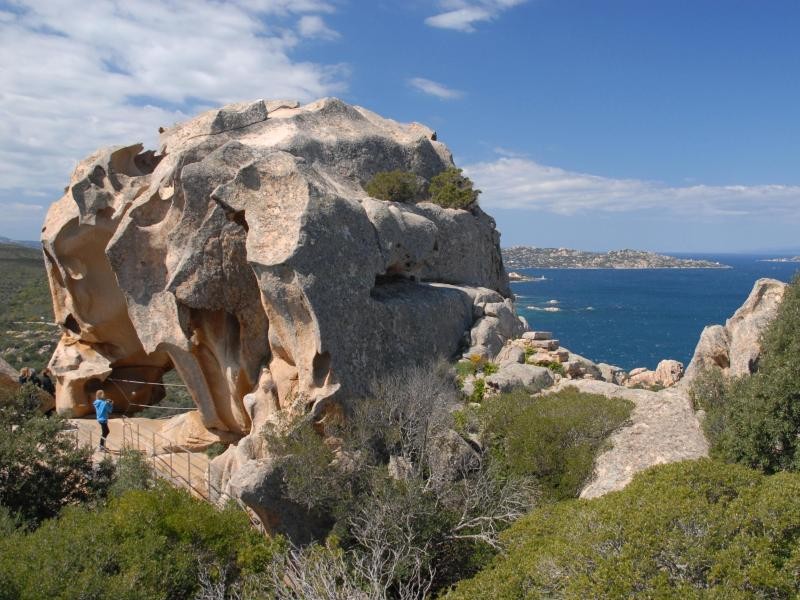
[
  {"x": 667, "y": 373},
  {"x": 612, "y": 374},
  {"x": 9, "y": 376},
  {"x": 510, "y": 354},
  {"x": 515, "y": 375},
  {"x": 246, "y": 255},
  {"x": 736, "y": 347}
]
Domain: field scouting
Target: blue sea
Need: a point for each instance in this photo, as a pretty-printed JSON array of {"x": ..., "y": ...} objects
[{"x": 637, "y": 317}]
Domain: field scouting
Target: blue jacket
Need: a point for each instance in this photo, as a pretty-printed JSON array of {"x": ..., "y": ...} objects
[{"x": 103, "y": 409}]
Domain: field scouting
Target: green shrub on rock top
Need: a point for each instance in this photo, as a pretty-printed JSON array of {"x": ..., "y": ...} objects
[
  {"x": 695, "y": 529},
  {"x": 395, "y": 186},
  {"x": 452, "y": 189}
]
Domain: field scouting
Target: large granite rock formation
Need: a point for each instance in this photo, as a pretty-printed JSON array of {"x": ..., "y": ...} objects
[
  {"x": 246, "y": 255},
  {"x": 735, "y": 347}
]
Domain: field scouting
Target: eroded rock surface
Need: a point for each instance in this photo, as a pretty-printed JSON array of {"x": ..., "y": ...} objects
[
  {"x": 246, "y": 255},
  {"x": 735, "y": 347},
  {"x": 663, "y": 428}
]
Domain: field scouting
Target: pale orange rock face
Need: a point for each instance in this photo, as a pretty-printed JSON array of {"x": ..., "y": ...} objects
[{"x": 245, "y": 250}]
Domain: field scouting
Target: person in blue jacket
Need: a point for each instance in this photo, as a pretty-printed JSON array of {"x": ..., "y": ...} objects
[{"x": 102, "y": 408}]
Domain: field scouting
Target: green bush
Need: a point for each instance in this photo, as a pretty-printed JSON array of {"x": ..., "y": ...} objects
[
  {"x": 131, "y": 473},
  {"x": 451, "y": 189},
  {"x": 41, "y": 469},
  {"x": 144, "y": 545},
  {"x": 698, "y": 529},
  {"x": 553, "y": 438},
  {"x": 396, "y": 186},
  {"x": 755, "y": 420},
  {"x": 555, "y": 367}
]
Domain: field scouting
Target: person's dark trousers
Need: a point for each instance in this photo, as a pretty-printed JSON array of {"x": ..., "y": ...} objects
[{"x": 105, "y": 431}]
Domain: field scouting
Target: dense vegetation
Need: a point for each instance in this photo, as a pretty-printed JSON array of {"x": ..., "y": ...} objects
[
  {"x": 73, "y": 529},
  {"x": 142, "y": 545},
  {"x": 407, "y": 504},
  {"x": 755, "y": 420},
  {"x": 27, "y": 311},
  {"x": 450, "y": 188},
  {"x": 41, "y": 470},
  {"x": 553, "y": 438},
  {"x": 699, "y": 529}
]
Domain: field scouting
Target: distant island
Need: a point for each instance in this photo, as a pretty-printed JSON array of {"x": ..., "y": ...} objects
[
  {"x": 528, "y": 257},
  {"x": 791, "y": 259}
]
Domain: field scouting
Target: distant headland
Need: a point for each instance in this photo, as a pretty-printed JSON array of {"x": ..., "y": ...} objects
[
  {"x": 785, "y": 259},
  {"x": 529, "y": 257}
]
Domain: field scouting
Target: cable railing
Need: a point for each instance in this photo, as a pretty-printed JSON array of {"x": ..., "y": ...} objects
[{"x": 173, "y": 463}]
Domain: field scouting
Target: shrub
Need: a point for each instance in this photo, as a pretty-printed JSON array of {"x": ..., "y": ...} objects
[
  {"x": 555, "y": 367},
  {"x": 41, "y": 469},
  {"x": 451, "y": 189},
  {"x": 696, "y": 529},
  {"x": 553, "y": 438},
  {"x": 411, "y": 503},
  {"x": 132, "y": 473},
  {"x": 478, "y": 391},
  {"x": 490, "y": 368},
  {"x": 396, "y": 186},
  {"x": 143, "y": 545},
  {"x": 755, "y": 420}
]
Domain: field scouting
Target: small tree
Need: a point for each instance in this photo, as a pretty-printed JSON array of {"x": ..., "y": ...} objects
[
  {"x": 451, "y": 189},
  {"x": 41, "y": 469},
  {"x": 396, "y": 186}
]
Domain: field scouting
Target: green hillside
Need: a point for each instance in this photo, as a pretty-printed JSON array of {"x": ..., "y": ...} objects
[{"x": 27, "y": 337}]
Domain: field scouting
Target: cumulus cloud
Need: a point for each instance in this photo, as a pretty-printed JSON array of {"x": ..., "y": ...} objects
[
  {"x": 432, "y": 88},
  {"x": 520, "y": 183},
  {"x": 462, "y": 15},
  {"x": 313, "y": 26},
  {"x": 76, "y": 78}
]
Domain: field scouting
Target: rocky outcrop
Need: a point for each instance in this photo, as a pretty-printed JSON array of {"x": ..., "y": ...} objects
[
  {"x": 663, "y": 428},
  {"x": 667, "y": 373},
  {"x": 735, "y": 347},
  {"x": 246, "y": 255}
]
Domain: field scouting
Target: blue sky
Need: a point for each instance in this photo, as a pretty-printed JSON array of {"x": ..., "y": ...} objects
[{"x": 660, "y": 124}]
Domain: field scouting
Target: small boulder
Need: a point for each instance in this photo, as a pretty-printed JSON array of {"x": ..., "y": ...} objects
[
  {"x": 9, "y": 377},
  {"x": 537, "y": 335},
  {"x": 612, "y": 374},
  {"x": 451, "y": 457},
  {"x": 513, "y": 376},
  {"x": 510, "y": 354}
]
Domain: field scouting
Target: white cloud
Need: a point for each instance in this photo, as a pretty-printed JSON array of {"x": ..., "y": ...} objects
[
  {"x": 313, "y": 26},
  {"x": 461, "y": 15},
  {"x": 73, "y": 78},
  {"x": 519, "y": 183},
  {"x": 433, "y": 88}
]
